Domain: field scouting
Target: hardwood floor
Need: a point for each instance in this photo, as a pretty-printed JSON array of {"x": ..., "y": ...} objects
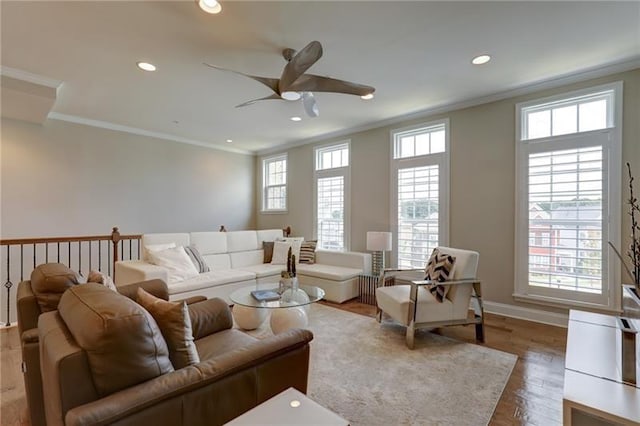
[{"x": 533, "y": 395}]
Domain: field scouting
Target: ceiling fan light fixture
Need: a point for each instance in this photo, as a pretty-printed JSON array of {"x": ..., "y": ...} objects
[
  {"x": 367, "y": 96},
  {"x": 146, "y": 66},
  {"x": 296, "y": 118},
  {"x": 290, "y": 96},
  {"x": 482, "y": 59},
  {"x": 229, "y": 140},
  {"x": 210, "y": 6}
]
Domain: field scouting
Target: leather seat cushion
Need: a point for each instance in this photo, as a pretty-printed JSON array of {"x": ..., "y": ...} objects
[
  {"x": 123, "y": 342},
  {"x": 222, "y": 342},
  {"x": 265, "y": 270},
  {"x": 328, "y": 272},
  {"x": 211, "y": 279},
  {"x": 394, "y": 300},
  {"x": 49, "y": 281}
]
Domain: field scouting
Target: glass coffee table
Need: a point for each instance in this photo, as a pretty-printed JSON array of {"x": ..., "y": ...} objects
[{"x": 288, "y": 311}]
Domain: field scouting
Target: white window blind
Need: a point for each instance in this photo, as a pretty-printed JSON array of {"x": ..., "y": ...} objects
[
  {"x": 332, "y": 196},
  {"x": 568, "y": 198},
  {"x": 274, "y": 183},
  {"x": 566, "y": 216},
  {"x": 330, "y": 213},
  {"x": 418, "y": 212}
]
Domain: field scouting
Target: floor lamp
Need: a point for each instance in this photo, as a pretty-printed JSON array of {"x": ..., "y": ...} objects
[{"x": 378, "y": 243}]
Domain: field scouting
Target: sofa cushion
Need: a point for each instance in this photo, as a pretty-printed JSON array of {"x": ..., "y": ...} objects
[
  {"x": 211, "y": 279},
  {"x": 265, "y": 270},
  {"x": 175, "y": 325},
  {"x": 100, "y": 278},
  {"x": 49, "y": 281},
  {"x": 222, "y": 342},
  {"x": 329, "y": 272},
  {"x": 217, "y": 261},
  {"x": 176, "y": 262},
  {"x": 210, "y": 242},
  {"x": 114, "y": 331},
  {"x": 246, "y": 258},
  {"x": 242, "y": 241}
]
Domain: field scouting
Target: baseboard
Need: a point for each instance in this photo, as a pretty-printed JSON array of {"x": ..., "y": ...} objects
[{"x": 528, "y": 314}]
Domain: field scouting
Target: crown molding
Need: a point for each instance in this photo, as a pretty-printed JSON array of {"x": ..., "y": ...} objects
[
  {"x": 552, "y": 83},
  {"x": 30, "y": 77},
  {"x": 141, "y": 132}
]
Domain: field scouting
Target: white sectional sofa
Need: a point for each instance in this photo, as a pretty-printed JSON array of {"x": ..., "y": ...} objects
[{"x": 236, "y": 259}]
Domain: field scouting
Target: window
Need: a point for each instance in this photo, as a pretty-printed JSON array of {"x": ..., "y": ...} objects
[
  {"x": 274, "y": 184},
  {"x": 420, "y": 168},
  {"x": 331, "y": 195},
  {"x": 568, "y": 198}
]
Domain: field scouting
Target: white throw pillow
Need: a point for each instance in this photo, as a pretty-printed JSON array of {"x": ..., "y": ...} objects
[
  {"x": 157, "y": 247},
  {"x": 281, "y": 250},
  {"x": 176, "y": 261}
]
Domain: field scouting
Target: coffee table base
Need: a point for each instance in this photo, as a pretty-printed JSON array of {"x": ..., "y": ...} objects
[
  {"x": 248, "y": 318},
  {"x": 286, "y": 318}
]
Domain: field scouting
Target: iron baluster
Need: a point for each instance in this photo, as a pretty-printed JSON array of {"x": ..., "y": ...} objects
[
  {"x": 80, "y": 258},
  {"x": 21, "y": 261},
  {"x": 58, "y": 252},
  {"x": 99, "y": 256},
  {"x": 34, "y": 256},
  {"x": 8, "y": 286}
]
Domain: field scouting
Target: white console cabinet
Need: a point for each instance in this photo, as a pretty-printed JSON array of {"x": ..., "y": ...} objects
[{"x": 594, "y": 393}]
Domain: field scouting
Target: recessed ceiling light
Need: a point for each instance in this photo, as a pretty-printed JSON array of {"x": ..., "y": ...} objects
[
  {"x": 367, "y": 96},
  {"x": 210, "y": 6},
  {"x": 146, "y": 66},
  {"x": 229, "y": 140},
  {"x": 295, "y": 403},
  {"x": 482, "y": 59},
  {"x": 296, "y": 119},
  {"x": 290, "y": 96}
]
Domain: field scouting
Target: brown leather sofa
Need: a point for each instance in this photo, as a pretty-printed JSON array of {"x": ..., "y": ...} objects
[
  {"x": 97, "y": 351},
  {"x": 29, "y": 310}
]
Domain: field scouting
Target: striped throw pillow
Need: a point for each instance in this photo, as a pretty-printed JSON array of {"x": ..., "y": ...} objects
[
  {"x": 197, "y": 259},
  {"x": 439, "y": 268},
  {"x": 308, "y": 252}
]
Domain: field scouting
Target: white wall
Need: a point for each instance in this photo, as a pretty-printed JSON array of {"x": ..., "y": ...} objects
[
  {"x": 61, "y": 179},
  {"x": 482, "y": 194}
]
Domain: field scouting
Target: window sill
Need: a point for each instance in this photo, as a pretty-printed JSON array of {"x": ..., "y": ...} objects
[
  {"x": 561, "y": 303},
  {"x": 274, "y": 211}
]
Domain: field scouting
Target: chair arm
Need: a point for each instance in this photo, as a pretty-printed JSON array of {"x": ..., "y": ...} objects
[
  {"x": 446, "y": 283},
  {"x": 133, "y": 271},
  {"x": 158, "y": 288},
  {"x": 209, "y": 316},
  {"x": 181, "y": 382}
]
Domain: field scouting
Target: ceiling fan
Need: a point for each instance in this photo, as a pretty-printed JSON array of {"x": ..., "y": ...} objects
[{"x": 294, "y": 84}]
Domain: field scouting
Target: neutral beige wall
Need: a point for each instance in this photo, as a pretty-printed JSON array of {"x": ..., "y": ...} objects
[
  {"x": 66, "y": 179},
  {"x": 482, "y": 196}
]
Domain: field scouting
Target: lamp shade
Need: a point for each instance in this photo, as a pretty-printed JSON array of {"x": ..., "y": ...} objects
[{"x": 378, "y": 241}]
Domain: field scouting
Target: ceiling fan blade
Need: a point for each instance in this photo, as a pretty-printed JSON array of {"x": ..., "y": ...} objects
[
  {"x": 271, "y": 83},
  {"x": 310, "y": 105},
  {"x": 317, "y": 83},
  {"x": 253, "y": 101},
  {"x": 300, "y": 63}
]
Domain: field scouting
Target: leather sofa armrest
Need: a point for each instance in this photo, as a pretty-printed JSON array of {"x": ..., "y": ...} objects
[
  {"x": 159, "y": 390},
  {"x": 209, "y": 316},
  {"x": 30, "y": 336},
  {"x": 133, "y": 271},
  {"x": 193, "y": 299},
  {"x": 28, "y": 308},
  {"x": 158, "y": 288}
]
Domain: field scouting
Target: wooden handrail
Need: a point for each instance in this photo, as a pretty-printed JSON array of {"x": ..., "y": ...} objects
[{"x": 50, "y": 240}]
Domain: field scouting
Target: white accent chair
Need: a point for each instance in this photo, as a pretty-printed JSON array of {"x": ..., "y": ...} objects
[{"x": 414, "y": 306}]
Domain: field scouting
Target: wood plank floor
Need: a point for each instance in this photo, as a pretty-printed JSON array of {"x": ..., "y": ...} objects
[{"x": 533, "y": 395}]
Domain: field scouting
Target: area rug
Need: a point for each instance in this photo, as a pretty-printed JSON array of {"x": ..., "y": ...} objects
[{"x": 364, "y": 372}]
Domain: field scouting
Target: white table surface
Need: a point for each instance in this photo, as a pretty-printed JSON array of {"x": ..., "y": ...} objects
[{"x": 278, "y": 411}]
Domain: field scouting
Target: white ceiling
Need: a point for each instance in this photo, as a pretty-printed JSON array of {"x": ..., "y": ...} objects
[{"x": 416, "y": 54}]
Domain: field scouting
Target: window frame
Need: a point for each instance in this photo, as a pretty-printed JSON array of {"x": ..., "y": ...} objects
[
  {"x": 265, "y": 186},
  {"x": 442, "y": 160},
  {"x": 345, "y": 172},
  {"x": 610, "y": 138}
]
